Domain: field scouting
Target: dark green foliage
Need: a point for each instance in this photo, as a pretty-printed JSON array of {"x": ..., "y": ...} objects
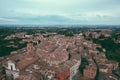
[
  {"x": 112, "y": 48},
  {"x": 4, "y": 50},
  {"x": 34, "y": 43},
  {"x": 78, "y": 52},
  {"x": 84, "y": 62},
  {"x": 101, "y": 36},
  {"x": 66, "y": 33},
  {"x": 90, "y": 35},
  {"x": 39, "y": 41},
  {"x": 99, "y": 49},
  {"x": 84, "y": 35},
  {"x": 42, "y": 32},
  {"x": 67, "y": 49},
  {"x": 69, "y": 56}
]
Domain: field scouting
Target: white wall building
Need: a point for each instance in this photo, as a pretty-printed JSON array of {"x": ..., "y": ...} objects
[{"x": 11, "y": 72}]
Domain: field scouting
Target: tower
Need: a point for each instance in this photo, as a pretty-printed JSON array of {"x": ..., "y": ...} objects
[{"x": 30, "y": 50}]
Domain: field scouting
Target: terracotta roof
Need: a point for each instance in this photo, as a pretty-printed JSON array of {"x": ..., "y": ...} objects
[{"x": 24, "y": 63}]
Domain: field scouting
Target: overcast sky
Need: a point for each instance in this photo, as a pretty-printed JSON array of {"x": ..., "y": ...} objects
[{"x": 60, "y": 12}]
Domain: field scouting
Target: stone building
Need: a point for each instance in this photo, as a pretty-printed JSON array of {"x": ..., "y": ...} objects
[
  {"x": 90, "y": 72},
  {"x": 11, "y": 72},
  {"x": 30, "y": 50}
]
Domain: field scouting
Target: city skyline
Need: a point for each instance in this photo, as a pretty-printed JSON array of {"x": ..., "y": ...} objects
[{"x": 98, "y": 12}]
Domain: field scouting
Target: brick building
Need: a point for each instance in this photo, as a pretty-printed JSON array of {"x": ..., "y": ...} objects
[{"x": 90, "y": 72}]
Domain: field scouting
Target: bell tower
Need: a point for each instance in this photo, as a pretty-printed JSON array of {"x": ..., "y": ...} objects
[{"x": 30, "y": 50}]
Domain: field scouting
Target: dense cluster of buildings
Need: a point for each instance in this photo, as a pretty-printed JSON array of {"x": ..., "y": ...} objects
[
  {"x": 49, "y": 60},
  {"x": 99, "y": 33},
  {"x": 56, "y": 58}
]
